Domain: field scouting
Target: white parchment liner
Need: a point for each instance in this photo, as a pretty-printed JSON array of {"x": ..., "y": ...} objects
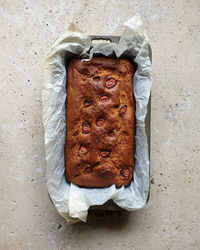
[{"x": 71, "y": 201}]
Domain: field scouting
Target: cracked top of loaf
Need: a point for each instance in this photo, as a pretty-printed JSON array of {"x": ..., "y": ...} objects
[{"x": 100, "y": 115}]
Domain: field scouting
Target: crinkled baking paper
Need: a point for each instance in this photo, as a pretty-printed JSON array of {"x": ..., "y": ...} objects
[{"x": 71, "y": 201}]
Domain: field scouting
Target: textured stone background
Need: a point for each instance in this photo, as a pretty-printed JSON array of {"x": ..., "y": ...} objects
[{"x": 171, "y": 219}]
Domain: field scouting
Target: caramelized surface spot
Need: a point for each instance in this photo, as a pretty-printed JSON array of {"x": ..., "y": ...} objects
[
  {"x": 96, "y": 78},
  {"x": 111, "y": 134},
  {"x": 100, "y": 121},
  {"x": 87, "y": 103},
  {"x": 88, "y": 170}
]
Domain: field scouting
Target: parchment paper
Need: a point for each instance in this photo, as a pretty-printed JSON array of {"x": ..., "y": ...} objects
[{"x": 71, "y": 201}]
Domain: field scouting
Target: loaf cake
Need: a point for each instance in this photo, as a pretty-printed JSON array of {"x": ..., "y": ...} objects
[{"x": 100, "y": 116}]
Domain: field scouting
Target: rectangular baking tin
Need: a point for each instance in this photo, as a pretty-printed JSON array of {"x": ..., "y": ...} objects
[{"x": 110, "y": 205}]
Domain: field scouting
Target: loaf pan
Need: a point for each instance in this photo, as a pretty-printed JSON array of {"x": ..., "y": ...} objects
[{"x": 110, "y": 205}]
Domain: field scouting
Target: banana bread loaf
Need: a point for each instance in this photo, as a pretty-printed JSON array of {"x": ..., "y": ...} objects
[{"x": 100, "y": 122}]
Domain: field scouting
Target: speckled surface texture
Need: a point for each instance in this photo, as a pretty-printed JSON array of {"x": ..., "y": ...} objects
[
  {"x": 171, "y": 219},
  {"x": 93, "y": 157}
]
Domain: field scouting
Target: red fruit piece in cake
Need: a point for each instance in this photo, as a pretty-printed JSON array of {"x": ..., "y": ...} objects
[
  {"x": 86, "y": 128},
  {"x": 123, "y": 110},
  {"x": 103, "y": 98},
  {"x": 110, "y": 83},
  {"x": 125, "y": 172},
  {"x": 104, "y": 154},
  {"x": 82, "y": 150}
]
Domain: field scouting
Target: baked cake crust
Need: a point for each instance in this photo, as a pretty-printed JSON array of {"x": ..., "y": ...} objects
[{"x": 100, "y": 122}]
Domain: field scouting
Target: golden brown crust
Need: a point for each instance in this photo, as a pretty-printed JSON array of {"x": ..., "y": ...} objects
[{"x": 100, "y": 122}]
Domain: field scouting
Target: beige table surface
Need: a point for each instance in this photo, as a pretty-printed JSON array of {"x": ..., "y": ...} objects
[{"x": 172, "y": 218}]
